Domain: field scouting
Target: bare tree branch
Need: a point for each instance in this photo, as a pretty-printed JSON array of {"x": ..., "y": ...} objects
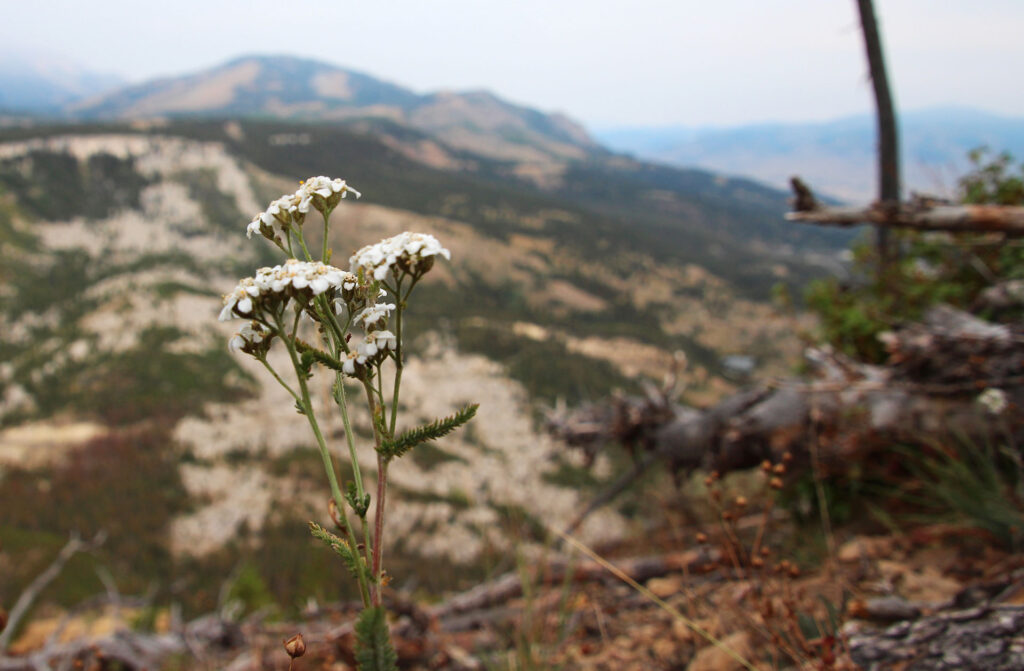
[
  {"x": 31, "y": 593},
  {"x": 921, "y": 215}
]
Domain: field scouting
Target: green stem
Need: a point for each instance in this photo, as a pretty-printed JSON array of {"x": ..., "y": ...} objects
[
  {"x": 399, "y": 349},
  {"x": 323, "y": 255},
  {"x": 302, "y": 243},
  {"x": 266, "y": 364},
  {"x": 342, "y": 403},
  {"x": 325, "y": 455},
  {"x": 399, "y": 366},
  {"x": 378, "y": 518},
  {"x": 332, "y": 319}
]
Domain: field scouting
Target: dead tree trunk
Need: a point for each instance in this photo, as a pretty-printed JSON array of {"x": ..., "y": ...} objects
[{"x": 888, "y": 140}]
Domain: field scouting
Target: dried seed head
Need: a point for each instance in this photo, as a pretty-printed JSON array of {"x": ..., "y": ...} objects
[
  {"x": 741, "y": 502},
  {"x": 757, "y": 562},
  {"x": 766, "y": 466},
  {"x": 702, "y": 537},
  {"x": 787, "y": 457},
  {"x": 728, "y": 516},
  {"x": 780, "y": 469},
  {"x": 794, "y": 571},
  {"x": 765, "y": 551},
  {"x": 775, "y": 483},
  {"x": 295, "y": 646}
]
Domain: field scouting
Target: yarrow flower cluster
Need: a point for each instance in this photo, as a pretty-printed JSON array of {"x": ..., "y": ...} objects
[
  {"x": 323, "y": 193},
  {"x": 412, "y": 253},
  {"x": 293, "y": 278},
  {"x": 253, "y": 338},
  {"x": 336, "y": 302},
  {"x": 373, "y": 348}
]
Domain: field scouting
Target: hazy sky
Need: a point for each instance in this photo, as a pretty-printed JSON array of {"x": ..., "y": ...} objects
[{"x": 692, "y": 62}]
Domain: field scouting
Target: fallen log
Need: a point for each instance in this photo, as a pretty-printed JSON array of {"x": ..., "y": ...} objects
[{"x": 849, "y": 411}]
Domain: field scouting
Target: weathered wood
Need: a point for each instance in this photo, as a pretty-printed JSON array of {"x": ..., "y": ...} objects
[
  {"x": 989, "y": 638},
  {"x": 888, "y": 142},
  {"x": 41, "y": 581},
  {"x": 953, "y": 218},
  {"x": 928, "y": 392}
]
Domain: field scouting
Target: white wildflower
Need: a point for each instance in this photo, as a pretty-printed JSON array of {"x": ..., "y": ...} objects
[
  {"x": 322, "y": 193},
  {"x": 386, "y": 340},
  {"x": 277, "y": 219},
  {"x": 993, "y": 400},
  {"x": 252, "y": 338},
  {"x": 372, "y": 315},
  {"x": 351, "y": 360},
  {"x": 408, "y": 252},
  {"x": 292, "y": 278},
  {"x": 291, "y": 209},
  {"x": 377, "y": 342}
]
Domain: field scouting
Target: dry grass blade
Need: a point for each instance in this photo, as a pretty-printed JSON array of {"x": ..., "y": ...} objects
[{"x": 661, "y": 603}]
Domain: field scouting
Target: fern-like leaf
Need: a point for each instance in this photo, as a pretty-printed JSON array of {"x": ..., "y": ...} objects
[
  {"x": 339, "y": 545},
  {"x": 421, "y": 434},
  {"x": 374, "y": 651}
]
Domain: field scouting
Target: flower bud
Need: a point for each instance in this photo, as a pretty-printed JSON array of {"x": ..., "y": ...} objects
[{"x": 295, "y": 646}]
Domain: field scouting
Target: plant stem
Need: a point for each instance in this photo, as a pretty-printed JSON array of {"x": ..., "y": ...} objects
[
  {"x": 399, "y": 365},
  {"x": 399, "y": 349},
  {"x": 277, "y": 377},
  {"x": 382, "y": 477},
  {"x": 302, "y": 243},
  {"x": 342, "y": 403},
  {"x": 323, "y": 254},
  {"x": 325, "y": 455},
  {"x": 378, "y": 527}
]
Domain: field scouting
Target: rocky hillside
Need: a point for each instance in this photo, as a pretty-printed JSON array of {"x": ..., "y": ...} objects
[{"x": 119, "y": 395}]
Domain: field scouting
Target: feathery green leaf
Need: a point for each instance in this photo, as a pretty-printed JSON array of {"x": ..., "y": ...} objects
[
  {"x": 421, "y": 434},
  {"x": 339, "y": 545},
  {"x": 374, "y": 651}
]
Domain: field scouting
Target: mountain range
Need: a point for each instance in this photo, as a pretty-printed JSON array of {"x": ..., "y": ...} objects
[
  {"x": 836, "y": 157},
  {"x": 42, "y": 83}
]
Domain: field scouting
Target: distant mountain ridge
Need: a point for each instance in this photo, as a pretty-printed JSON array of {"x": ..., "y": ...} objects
[
  {"x": 44, "y": 84},
  {"x": 836, "y": 157},
  {"x": 297, "y": 89}
]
